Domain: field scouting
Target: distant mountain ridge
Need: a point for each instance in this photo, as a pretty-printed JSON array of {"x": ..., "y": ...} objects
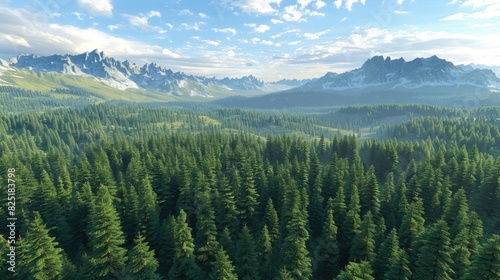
[
  {"x": 125, "y": 74},
  {"x": 399, "y": 73},
  {"x": 386, "y": 80}
]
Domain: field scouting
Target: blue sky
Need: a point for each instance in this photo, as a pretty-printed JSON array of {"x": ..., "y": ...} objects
[{"x": 271, "y": 39}]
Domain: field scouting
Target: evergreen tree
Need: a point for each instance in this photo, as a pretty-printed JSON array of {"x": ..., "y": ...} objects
[
  {"x": 434, "y": 261},
  {"x": 369, "y": 194},
  {"x": 363, "y": 247},
  {"x": 43, "y": 259},
  {"x": 389, "y": 249},
  {"x": 246, "y": 261},
  {"x": 412, "y": 225},
  {"x": 486, "y": 264},
  {"x": 398, "y": 267},
  {"x": 328, "y": 247},
  {"x": 295, "y": 253},
  {"x": 106, "y": 238},
  {"x": 265, "y": 254},
  {"x": 52, "y": 212},
  {"x": 184, "y": 265},
  {"x": 356, "y": 271},
  {"x": 206, "y": 237},
  {"x": 227, "y": 213},
  {"x": 222, "y": 267},
  {"x": 350, "y": 228},
  {"x": 271, "y": 221},
  {"x": 167, "y": 244},
  {"x": 142, "y": 264}
]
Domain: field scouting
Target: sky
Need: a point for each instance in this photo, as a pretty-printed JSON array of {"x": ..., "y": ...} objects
[{"x": 270, "y": 39}]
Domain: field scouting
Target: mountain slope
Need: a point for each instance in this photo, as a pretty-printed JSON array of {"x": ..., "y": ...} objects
[
  {"x": 125, "y": 75},
  {"x": 430, "y": 80}
]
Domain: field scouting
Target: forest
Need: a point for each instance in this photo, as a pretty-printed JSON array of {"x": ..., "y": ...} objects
[{"x": 129, "y": 191}]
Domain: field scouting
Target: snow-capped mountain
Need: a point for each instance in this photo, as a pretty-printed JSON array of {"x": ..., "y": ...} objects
[
  {"x": 384, "y": 80},
  {"x": 125, "y": 74},
  {"x": 400, "y": 74}
]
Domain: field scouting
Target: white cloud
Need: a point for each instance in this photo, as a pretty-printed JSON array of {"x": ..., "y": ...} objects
[
  {"x": 320, "y": 4},
  {"x": 316, "y": 35},
  {"x": 343, "y": 19},
  {"x": 225, "y": 30},
  {"x": 255, "y": 6},
  {"x": 276, "y": 21},
  {"x": 97, "y": 7},
  {"x": 295, "y": 30},
  {"x": 185, "y": 12},
  {"x": 15, "y": 40},
  {"x": 142, "y": 21},
  {"x": 478, "y": 3},
  {"x": 457, "y": 16},
  {"x": 400, "y": 12},
  {"x": 349, "y": 3},
  {"x": 169, "y": 53},
  {"x": 169, "y": 25},
  {"x": 258, "y": 28},
  {"x": 482, "y": 25},
  {"x": 78, "y": 15},
  {"x": 191, "y": 26},
  {"x": 202, "y": 15},
  {"x": 492, "y": 11},
  {"x": 113, "y": 27},
  {"x": 291, "y": 13},
  {"x": 294, "y": 43},
  {"x": 211, "y": 42},
  {"x": 304, "y": 3},
  {"x": 231, "y": 53},
  {"x": 314, "y": 13},
  {"x": 338, "y": 3}
]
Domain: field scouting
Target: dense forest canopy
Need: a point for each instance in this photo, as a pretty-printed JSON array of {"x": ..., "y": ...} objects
[{"x": 152, "y": 192}]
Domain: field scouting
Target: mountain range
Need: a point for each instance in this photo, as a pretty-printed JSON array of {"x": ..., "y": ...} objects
[
  {"x": 378, "y": 80},
  {"x": 150, "y": 76},
  {"x": 386, "y": 80}
]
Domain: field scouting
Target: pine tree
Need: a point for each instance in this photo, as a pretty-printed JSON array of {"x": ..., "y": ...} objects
[
  {"x": 399, "y": 267},
  {"x": 456, "y": 215},
  {"x": 356, "y": 271},
  {"x": 206, "y": 236},
  {"x": 106, "y": 238},
  {"x": 222, "y": 267},
  {"x": 4, "y": 250},
  {"x": 142, "y": 263},
  {"x": 265, "y": 254},
  {"x": 271, "y": 220},
  {"x": 434, "y": 259},
  {"x": 43, "y": 259},
  {"x": 295, "y": 253},
  {"x": 363, "y": 247},
  {"x": 388, "y": 250},
  {"x": 412, "y": 225},
  {"x": 369, "y": 194},
  {"x": 52, "y": 212},
  {"x": 350, "y": 228},
  {"x": 328, "y": 247},
  {"x": 339, "y": 206},
  {"x": 316, "y": 207},
  {"x": 284, "y": 274},
  {"x": 486, "y": 265},
  {"x": 246, "y": 260},
  {"x": 248, "y": 199},
  {"x": 149, "y": 213},
  {"x": 167, "y": 244},
  {"x": 227, "y": 213},
  {"x": 184, "y": 265}
]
